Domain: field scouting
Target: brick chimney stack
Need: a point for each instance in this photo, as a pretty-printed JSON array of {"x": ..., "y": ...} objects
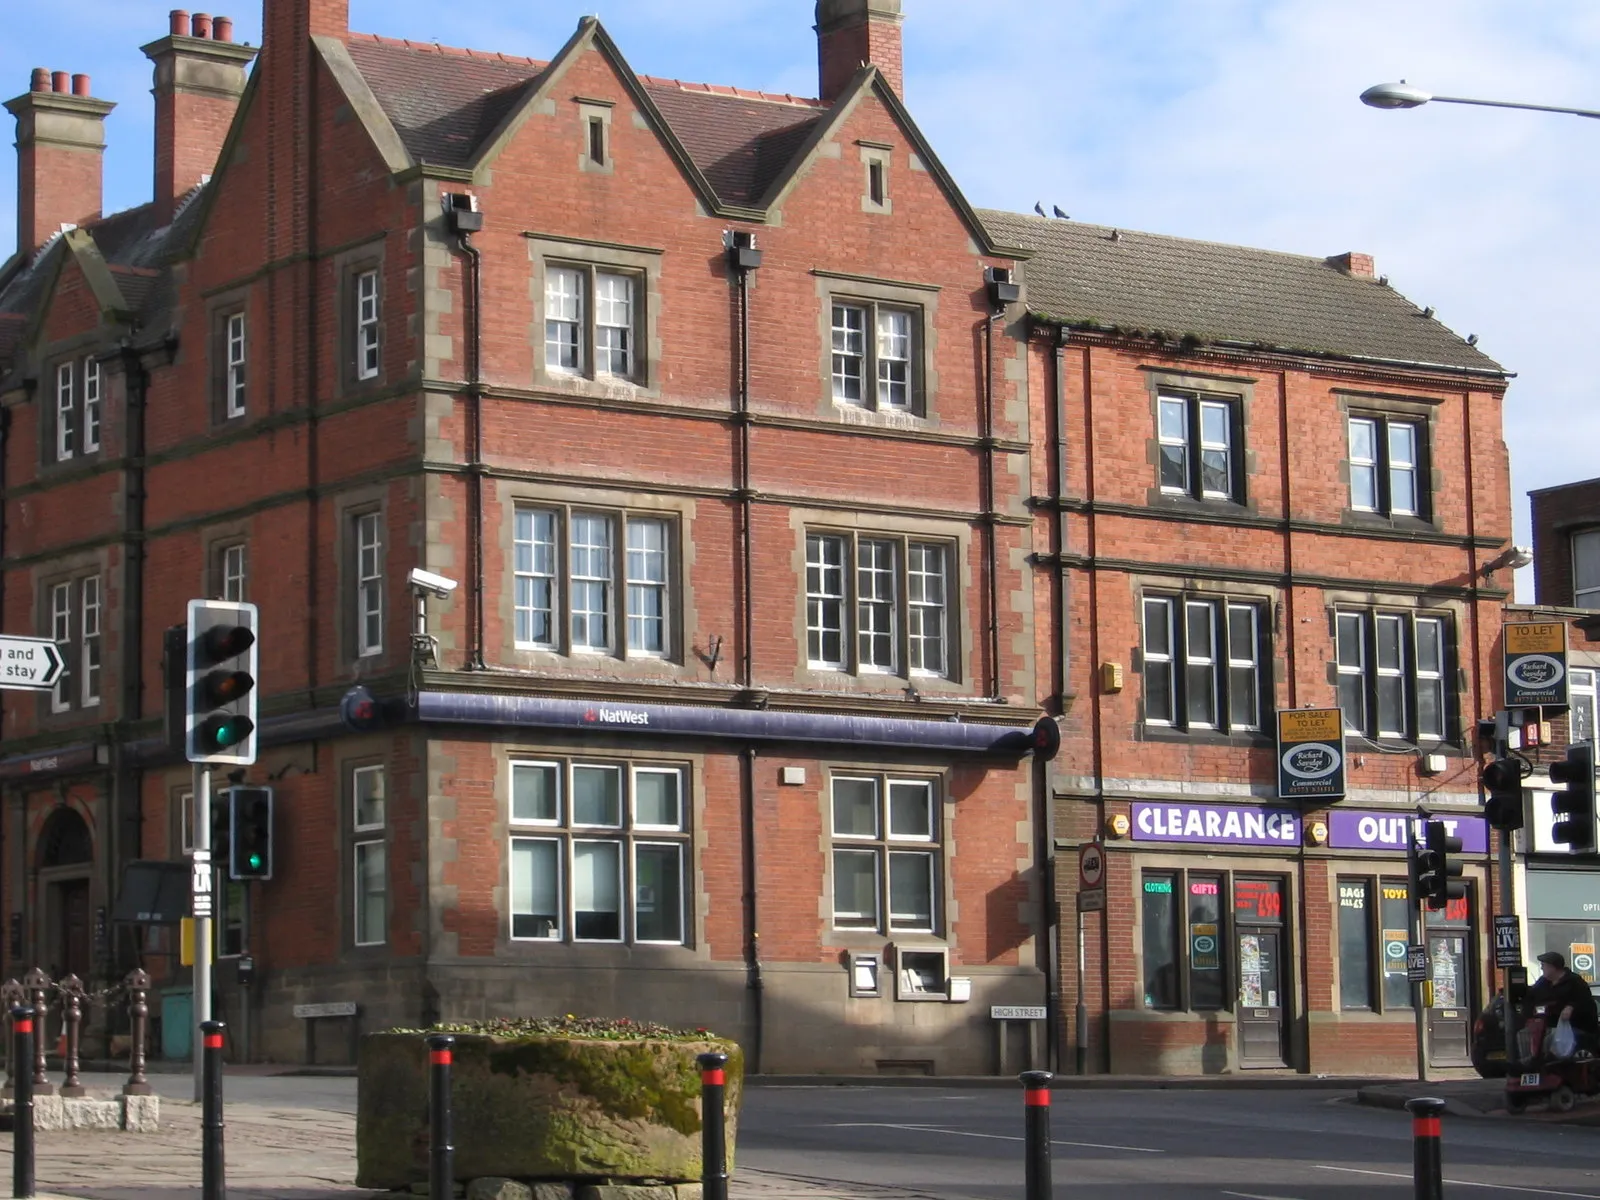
[
  {"x": 851, "y": 33},
  {"x": 61, "y": 139},
  {"x": 199, "y": 77}
]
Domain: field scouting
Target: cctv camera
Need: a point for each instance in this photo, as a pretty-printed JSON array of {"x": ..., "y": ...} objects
[{"x": 427, "y": 581}]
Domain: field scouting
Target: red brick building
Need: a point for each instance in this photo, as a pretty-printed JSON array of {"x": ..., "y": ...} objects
[
  {"x": 1263, "y": 482},
  {"x": 704, "y": 399}
]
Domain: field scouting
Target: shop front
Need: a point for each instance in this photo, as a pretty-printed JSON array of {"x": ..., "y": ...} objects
[
  {"x": 1564, "y": 916},
  {"x": 1272, "y": 938}
]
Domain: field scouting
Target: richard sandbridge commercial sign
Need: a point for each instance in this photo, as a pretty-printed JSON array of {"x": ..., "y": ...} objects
[
  {"x": 1235, "y": 824},
  {"x": 1310, "y": 754},
  {"x": 1536, "y": 664}
]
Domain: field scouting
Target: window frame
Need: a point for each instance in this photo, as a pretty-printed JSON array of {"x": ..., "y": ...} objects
[
  {"x": 1379, "y": 1003},
  {"x": 1370, "y": 672},
  {"x": 589, "y": 274},
  {"x": 365, "y": 835},
  {"x": 1586, "y": 597},
  {"x": 232, "y": 566},
  {"x": 235, "y": 364},
  {"x": 872, "y": 358},
  {"x": 627, "y": 833},
  {"x": 59, "y": 616},
  {"x": 1382, "y": 465},
  {"x": 66, "y": 412},
  {"x": 90, "y": 632},
  {"x": 619, "y": 582},
  {"x": 92, "y": 383},
  {"x": 850, "y": 602},
  {"x": 366, "y": 587},
  {"x": 884, "y": 845},
  {"x": 366, "y": 328},
  {"x": 1195, "y": 444},
  {"x": 1179, "y": 665}
]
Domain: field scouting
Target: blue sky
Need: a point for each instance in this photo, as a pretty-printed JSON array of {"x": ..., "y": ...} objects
[{"x": 1230, "y": 120}]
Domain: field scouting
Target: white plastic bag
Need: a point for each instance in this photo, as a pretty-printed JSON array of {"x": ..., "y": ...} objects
[{"x": 1563, "y": 1042}]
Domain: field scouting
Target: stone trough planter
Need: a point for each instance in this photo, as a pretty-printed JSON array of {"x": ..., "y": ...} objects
[{"x": 540, "y": 1106}]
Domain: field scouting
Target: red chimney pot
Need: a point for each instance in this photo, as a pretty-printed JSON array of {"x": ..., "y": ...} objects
[
  {"x": 60, "y": 81},
  {"x": 180, "y": 22},
  {"x": 41, "y": 80},
  {"x": 222, "y": 29},
  {"x": 200, "y": 26},
  {"x": 80, "y": 85}
]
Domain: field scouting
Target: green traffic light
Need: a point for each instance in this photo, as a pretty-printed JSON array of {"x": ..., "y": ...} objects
[
  {"x": 255, "y": 862},
  {"x": 220, "y": 732}
]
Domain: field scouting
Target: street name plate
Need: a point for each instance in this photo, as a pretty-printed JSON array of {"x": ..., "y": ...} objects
[
  {"x": 1016, "y": 1012},
  {"x": 335, "y": 1008},
  {"x": 1507, "y": 942},
  {"x": 1092, "y": 900},
  {"x": 29, "y": 664}
]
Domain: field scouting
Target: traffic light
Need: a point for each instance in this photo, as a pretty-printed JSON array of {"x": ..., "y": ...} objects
[
  {"x": 1574, "y": 808},
  {"x": 220, "y": 708},
  {"x": 250, "y": 833},
  {"x": 1436, "y": 874},
  {"x": 1502, "y": 783}
]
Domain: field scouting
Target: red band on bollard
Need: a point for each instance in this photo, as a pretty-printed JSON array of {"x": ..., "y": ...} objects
[
  {"x": 1036, "y": 1097},
  {"x": 1425, "y": 1127},
  {"x": 439, "y": 1058},
  {"x": 717, "y": 1077},
  {"x": 25, "y": 1026},
  {"x": 213, "y": 1041}
]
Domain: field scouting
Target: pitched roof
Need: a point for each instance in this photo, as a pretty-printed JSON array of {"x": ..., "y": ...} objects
[
  {"x": 445, "y": 103},
  {"x": 1091, "y": 276}
]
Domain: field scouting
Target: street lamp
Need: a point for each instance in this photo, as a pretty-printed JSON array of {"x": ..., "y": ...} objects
[{"x": 1404, "y": 95}]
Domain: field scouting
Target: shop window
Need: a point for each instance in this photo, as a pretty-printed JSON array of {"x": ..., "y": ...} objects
[
  {"x": 1196, "y": 925},
  {"x": 1374, "y": 930},
  {"x": 1159, "y": 913},
  {"x": 599, "y": 852}
]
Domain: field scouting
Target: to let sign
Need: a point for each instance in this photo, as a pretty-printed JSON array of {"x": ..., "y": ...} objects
[
  {"x": 1536, "y": 664},
  {"x": 1310, "y": 753}
]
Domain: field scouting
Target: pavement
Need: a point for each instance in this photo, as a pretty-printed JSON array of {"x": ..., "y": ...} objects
[{"x": 291, "y": 1137}]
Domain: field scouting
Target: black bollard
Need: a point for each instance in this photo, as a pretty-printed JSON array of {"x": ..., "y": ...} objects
[
  {"x": 713, "y": 1130},
  {"x": 22, "y": 1113},
  {"x": 213, "y": 1175},
  {"x": 1428, "y": 1162},
  {"x": 441, "y": 1149},
  {"x": 1036, "y": 1107}
]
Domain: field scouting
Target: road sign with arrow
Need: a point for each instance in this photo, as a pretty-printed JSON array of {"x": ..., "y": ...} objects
[{"x": 29, "y": 664}]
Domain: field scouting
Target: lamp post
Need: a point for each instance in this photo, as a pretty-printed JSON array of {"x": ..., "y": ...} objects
[{"x": 1404, "y": 95}]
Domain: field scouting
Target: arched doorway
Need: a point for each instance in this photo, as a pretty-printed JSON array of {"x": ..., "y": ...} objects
[{"x": 66, "y": 858}]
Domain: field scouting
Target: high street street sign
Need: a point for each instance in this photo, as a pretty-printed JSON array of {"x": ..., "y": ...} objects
[{"x": 29, "y": 664}]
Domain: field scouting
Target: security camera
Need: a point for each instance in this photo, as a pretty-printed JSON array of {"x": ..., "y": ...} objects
[
  {"x": 1515, "y": 557},
  {"x": 427, "y": 581}
]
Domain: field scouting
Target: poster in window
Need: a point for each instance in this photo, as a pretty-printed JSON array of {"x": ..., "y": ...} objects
[
  {"x": 1394, "y": 951},
  {"x": 1536, "y": 664},
  {"x": 1581, "y": 959},
  {"x": 1251, "y": 994},
  {"x": 1205, "y": 954},
  {"x": 1310, "y": 754},
  {"x": 1445, "y": 976}
]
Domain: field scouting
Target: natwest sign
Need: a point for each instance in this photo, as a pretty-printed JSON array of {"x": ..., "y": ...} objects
[
  {"x": 602, "y": 715},
  {"x": 1353, "y": 829},
  {"x": 1214, "y": 823}
]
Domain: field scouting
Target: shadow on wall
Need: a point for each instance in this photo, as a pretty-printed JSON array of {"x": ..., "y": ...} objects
[{"x": 1004, "y": 910}]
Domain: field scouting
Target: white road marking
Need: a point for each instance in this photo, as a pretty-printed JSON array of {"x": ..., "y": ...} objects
[
  {"x": 1258, "y": 1196},
  {"x": 1498, "y": 1187},
  {"x": 996, "y": 1137}
]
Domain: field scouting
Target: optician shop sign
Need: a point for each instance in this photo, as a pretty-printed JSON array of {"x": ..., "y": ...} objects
[
  {"x": 1353, "y": 829},
  {"x": 1233, "y": 824}
]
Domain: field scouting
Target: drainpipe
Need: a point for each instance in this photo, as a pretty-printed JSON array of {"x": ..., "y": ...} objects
[
  {"x": 127, "y": 800},
  {"x": 990, "y": 552},
  {"x": 743, "y": 258},
  {"x": 466, "y": 221}
]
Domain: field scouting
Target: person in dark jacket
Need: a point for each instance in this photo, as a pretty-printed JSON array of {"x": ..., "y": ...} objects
[{"x": 1559, "y": 993}]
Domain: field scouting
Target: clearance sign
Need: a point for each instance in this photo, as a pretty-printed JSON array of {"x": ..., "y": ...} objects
[
  {"x": 1310, "y": 754},
  {"x": 1536, "y": 664}
]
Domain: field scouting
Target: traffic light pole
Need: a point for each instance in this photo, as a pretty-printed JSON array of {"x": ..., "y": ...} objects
[
  {"x": 1509, "y": 1020},
  {"x": 1417, "y": 934},
  {"x": 202, "y": 921}
]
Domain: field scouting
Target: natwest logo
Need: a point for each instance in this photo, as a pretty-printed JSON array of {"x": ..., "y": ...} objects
[{"x": 616, "y": 716}]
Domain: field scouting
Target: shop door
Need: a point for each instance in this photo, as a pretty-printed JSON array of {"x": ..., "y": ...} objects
[
  {"x": 72, "y": 951},
  {"x": 1260, "y": 998},
  {"x": 1451, "y": 1012}
]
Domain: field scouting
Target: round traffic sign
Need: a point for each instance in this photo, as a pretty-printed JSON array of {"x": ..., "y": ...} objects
[{"x": 1091, "y": 866}]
